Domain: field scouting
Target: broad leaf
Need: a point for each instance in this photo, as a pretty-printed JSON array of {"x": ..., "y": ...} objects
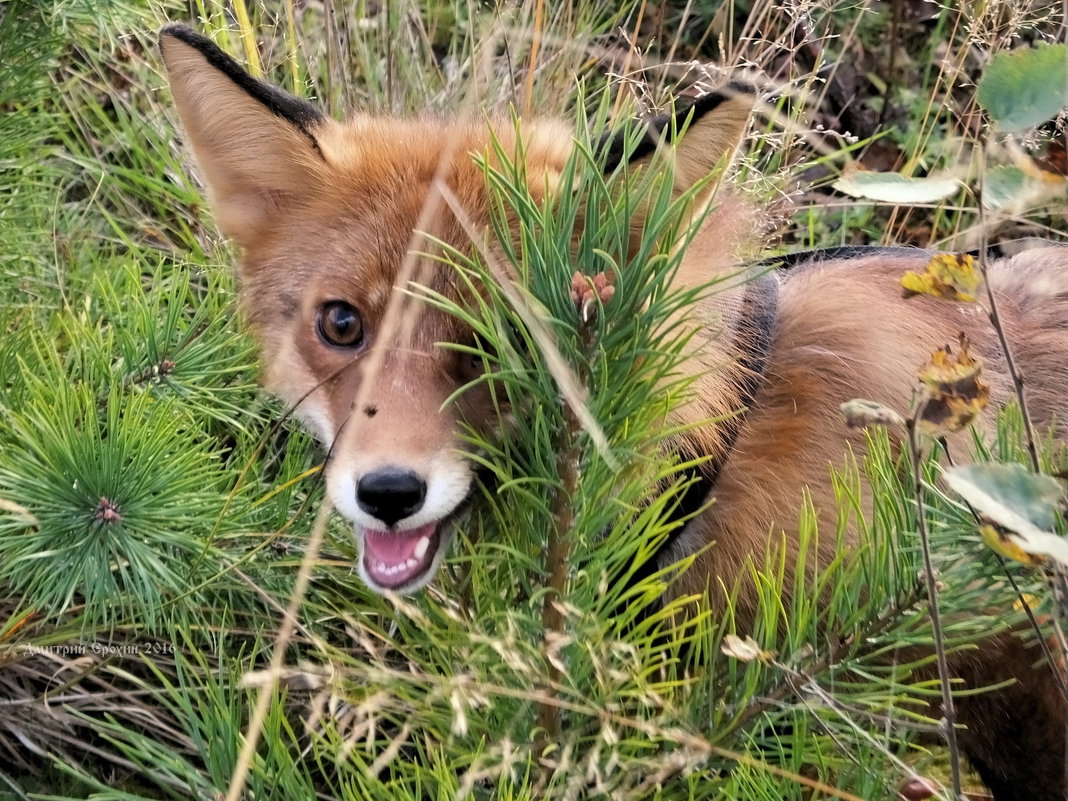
[
  {"x": 1018, "y": 187},
  {"x": 1014, "y": 498},
  {"x": 891, "y": 187},
  {"x": 1025, "y": 87},
  {"x": 1005, "y": 187}
]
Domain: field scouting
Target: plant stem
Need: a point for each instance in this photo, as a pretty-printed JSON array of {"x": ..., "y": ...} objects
[
  {"x": 558, "y": 554},
  {"x": 995, "y": 321},
  {"x": 948, "y": 713}
]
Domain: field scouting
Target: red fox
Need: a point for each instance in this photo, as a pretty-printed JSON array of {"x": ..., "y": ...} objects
[{"x": 326, "y": 215}]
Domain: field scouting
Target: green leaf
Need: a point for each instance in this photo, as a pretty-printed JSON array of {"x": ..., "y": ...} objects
[
  {"x": 1009, "y": 494},
  {"x": 1025, "y": 87},
  {"x": 1009, "y": 188},
  {"x": 892, "y": 187},
  {"x": 1004, "y": 187},
  {"x": 1016, "y": 499}
]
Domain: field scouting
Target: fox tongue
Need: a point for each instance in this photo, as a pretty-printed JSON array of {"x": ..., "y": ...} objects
[{"x": 392, "y": 558}]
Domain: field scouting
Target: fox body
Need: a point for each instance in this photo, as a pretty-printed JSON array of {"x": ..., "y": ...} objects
[{"x": 326, "y": 215}]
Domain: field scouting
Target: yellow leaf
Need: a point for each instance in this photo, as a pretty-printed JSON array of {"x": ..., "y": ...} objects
[
  {"x": 953, "y": 396},
  {"x": 1032, "y": 601},
  {"x": 1002, "y": 542},
  {"x": 949, "y": 372},
  {"x": 952, "y": 276},
  {"x": 946, "y": 413}
]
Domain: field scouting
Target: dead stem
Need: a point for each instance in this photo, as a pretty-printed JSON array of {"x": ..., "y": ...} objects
[
  {"x": 948, "y": 714},
  {"x": 995, "y": 320}
]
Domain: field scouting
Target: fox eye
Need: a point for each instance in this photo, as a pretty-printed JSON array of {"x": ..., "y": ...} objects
[
  {"x": 478, "y": 343},
  {"x": 339, "y": 324},
  {"x": 474, "y": 364}
]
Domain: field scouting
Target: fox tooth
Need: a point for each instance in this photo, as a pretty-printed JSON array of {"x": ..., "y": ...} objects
[{"x": 421, "y": 548}]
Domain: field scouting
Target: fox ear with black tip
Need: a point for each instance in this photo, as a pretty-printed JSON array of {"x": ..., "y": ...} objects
[
  {"x": 701, "y": 137},
  {"x": 255, "y": 144}
]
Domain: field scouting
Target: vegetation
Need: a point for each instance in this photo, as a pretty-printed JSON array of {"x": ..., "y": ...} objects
[{"x": 179, "y": 617}]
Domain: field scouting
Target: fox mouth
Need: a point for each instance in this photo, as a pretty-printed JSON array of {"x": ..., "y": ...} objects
[
  {"x": 405, "y": 560},
  {"x": 399, "y": 560}
]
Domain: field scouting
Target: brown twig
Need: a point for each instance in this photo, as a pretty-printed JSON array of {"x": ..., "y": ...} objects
[
  {"x": 948, "y": 712},
  {"x": 995, "y": 321},
  {"x": 585, "y": 293}
]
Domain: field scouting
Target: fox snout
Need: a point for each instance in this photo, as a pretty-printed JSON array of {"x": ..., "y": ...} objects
[
  {"x": 398, "y": 467},
  {"x": 403, "y": 497},
  {"x": 402, "y": 520},
  {"x": 391, "y": 494}
]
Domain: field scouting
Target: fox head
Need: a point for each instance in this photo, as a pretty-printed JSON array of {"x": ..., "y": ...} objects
[{"x": 335, "y": 222}]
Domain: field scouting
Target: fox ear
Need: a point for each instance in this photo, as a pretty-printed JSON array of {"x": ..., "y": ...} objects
[
  {"x": 704, "y": 134},
  {"x": 255, "y": 144}
]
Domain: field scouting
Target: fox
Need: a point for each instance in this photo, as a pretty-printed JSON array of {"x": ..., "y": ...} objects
[{"x": 331, "y": 218}]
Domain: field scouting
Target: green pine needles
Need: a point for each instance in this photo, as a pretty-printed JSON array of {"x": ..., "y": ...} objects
[{"x": 114, "y": 503}]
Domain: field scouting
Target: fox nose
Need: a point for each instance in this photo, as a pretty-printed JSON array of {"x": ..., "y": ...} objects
[{"x": 390, "y": 494}]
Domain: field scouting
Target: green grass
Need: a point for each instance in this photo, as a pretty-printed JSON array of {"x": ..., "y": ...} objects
[{"x": 154, "y": 511}]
